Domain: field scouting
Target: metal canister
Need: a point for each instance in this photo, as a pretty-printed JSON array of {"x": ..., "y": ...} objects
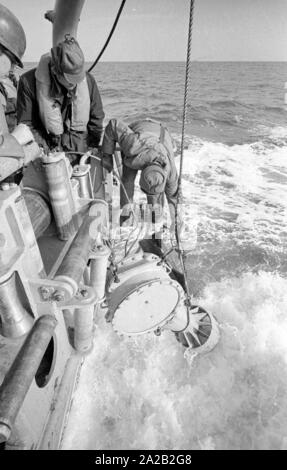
[
  {"x": 98, "y": 269},
  {"x": 81, "y": 173},
  {"x": 60, "y": 193}
]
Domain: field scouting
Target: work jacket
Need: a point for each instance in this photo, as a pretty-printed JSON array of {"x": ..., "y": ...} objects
[
  {"x": 142, "y": 143},
  {"x": 8, "y": 94},
  {"x": 28, "y": 112}
]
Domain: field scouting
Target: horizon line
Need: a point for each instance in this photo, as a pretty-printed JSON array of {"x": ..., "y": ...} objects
[{"x": 168, "y": 61}]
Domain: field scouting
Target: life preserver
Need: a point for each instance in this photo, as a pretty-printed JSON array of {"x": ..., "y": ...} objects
[{"x": 50, "y": 107}]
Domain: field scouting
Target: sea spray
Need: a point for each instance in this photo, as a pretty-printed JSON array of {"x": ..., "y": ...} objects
[{"x": 143, "y": 394}]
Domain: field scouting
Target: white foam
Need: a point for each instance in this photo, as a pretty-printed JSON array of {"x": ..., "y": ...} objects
[
  {"x": 239, "y": 189},
  {"x": 276, "y": 133},
  {"x": 142, "y": 394}
]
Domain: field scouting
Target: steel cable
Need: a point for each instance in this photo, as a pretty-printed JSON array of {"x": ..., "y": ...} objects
[
  {"x": 179, "y": 191},
  {"x": 109, "y": 37}
]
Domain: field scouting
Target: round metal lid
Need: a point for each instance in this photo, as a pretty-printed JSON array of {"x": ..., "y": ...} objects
[
  {"x": 81, "y": 170},
  {"x": 147, "y": 308}
]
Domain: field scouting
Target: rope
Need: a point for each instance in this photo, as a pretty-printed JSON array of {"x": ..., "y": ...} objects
[
  {"x": 127, "y": 251},
  {"x": 179, "y": 193},
  {"x": 109, "y": 37}
]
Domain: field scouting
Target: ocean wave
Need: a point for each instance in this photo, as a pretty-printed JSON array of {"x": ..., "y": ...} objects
[
  {"x": 277, "y": 109},
  {"x": 228, "y": 104},
  {"x": 239, "y": 193},
  {"x": 277, "y": 132},
  {"x": 234, "y": 202},
  {"x": 231, "y": 398},
  {"x": 270, "y": 135}
]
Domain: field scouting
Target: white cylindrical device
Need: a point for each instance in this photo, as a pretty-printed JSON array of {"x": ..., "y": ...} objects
[{"x": 98, "y": 269}]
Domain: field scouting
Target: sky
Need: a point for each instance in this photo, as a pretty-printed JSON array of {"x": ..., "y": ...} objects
[{"x": 156, "y": 30}]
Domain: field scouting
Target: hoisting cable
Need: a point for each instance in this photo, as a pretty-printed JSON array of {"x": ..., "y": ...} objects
[
  {"x": 109, "y": 36},
  {"x": 179, "y": 192},
  {"x": 118, "y": 178},
  {"x": 136, "y": 227}
]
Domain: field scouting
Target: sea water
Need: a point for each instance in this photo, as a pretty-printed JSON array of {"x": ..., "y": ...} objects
[{"x": 142, "y": 393}]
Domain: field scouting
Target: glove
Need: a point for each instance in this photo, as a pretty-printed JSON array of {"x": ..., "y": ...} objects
[
  {"x": 94, "y": 151},
  {"x": 107, "y": 162}
]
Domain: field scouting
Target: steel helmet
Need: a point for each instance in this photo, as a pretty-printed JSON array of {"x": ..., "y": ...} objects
[{"x": 12, "y": 36}]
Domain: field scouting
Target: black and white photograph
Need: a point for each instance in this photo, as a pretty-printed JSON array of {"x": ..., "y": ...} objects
[{"x": 143, "y": 228}]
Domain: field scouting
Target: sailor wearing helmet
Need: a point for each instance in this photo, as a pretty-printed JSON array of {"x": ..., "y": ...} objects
[{"x": 12, "y": 48}]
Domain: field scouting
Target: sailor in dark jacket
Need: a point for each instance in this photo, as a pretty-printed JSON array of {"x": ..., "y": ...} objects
[
  {"x": 60, "y": 102},
  {"x": 145, "y": 145}
]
